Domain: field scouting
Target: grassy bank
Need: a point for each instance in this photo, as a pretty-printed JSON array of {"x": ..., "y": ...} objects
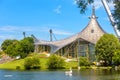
[
  {"x": 13, "y": 64},
  {"x": 19, "y": 64}
]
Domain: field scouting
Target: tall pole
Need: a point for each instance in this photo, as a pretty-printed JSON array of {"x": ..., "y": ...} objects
[
  {"x": 50, "y": 34},
  {"x": 104, "y": 2},
  {"x": 24, "y": 34}
]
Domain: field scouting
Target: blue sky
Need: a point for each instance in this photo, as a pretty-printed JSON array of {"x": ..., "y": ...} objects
[{"x": 38, "y": 16}]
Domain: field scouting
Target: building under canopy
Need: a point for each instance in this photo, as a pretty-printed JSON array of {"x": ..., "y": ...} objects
[{"x": 80, "y": 44}]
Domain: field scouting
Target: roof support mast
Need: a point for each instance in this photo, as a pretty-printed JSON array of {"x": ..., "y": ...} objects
[
  {"x": 111, "y": 17},
  {"x": 50, "y": 34}
]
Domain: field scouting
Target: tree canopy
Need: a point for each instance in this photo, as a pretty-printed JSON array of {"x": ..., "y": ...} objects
[
  {"x": 82, "y": 4},
  {"x": 18, "y": 48},
  {"x": 26, "y": 46},
  {"x": 6, "y": 43},
  {"x": 105, "y": 48}
]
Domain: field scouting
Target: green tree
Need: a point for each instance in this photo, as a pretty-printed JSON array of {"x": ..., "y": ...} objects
[
  {"x": 18, "y": 48},
  {"x": 25, "y": 47},
  {"x": 83, "y": 4},
  {"x": 6, "y": 43},
  {"x": 105, "y": 48},
  {"x": 55, "y": 62},
  {"x": 12, "y": 49}
]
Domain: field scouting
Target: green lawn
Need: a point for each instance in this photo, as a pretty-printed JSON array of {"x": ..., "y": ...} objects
[
  {"x": 13, "y": 64},
  {"x": 19, "y": 64},
  {"x": 74, "y": 65},
  {"x": 43, "y": 62}
]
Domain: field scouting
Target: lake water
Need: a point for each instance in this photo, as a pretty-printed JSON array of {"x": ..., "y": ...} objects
[{"x": 60, "y": 75}]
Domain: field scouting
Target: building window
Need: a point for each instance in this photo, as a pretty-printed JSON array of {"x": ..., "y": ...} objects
[{"x": 92, "y": 31}]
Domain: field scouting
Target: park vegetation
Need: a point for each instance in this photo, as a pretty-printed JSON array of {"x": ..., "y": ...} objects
[
  {"x": 83, "y": 61},
  {"x": 32, "y": 63},
  {"x": 20, "y": 48},
  {"x": 56, "y": 62}
]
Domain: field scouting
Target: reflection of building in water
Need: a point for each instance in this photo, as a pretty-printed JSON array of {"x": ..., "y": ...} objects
[{"x": 81, "y": 44}]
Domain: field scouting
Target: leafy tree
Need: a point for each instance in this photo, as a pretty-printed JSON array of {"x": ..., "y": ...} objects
[
  {"x": 55, "y": 62},
  {"x": 32, "y": 63},
  {"x": 18, "y": 48},
  {"x": 6, "y": 43},
  {"x": 12, "y": 49},
  {"x": 26, "y": 46},
  {"x": 105, "y": 48},
  {"x": 82, "y": 4}
]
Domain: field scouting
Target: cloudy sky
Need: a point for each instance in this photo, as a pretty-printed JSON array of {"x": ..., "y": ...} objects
[{"x": 38, "y": 16}]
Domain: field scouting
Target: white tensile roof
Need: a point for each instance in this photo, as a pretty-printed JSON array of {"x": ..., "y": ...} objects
[{"x": 91, "y": 33}]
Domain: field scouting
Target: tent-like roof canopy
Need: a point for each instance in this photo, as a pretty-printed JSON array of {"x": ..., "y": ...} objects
[{"x": 91, "y": 33}]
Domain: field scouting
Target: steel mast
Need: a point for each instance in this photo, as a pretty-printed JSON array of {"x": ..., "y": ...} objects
[
  {"x": 50, "y": 34},
  {"x": 104, "y": 2}
]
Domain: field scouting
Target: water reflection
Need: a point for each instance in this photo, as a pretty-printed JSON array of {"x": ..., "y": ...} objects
[{"x": 60, "y": 75}]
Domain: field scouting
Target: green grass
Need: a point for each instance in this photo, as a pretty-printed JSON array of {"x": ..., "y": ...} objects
[
  {"x": 13, "y": 64},
  {"x": 43, "y": 63},
  {"x": 73, "y": 64}
]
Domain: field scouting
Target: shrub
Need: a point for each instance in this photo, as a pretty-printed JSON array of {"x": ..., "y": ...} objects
[
  {"x": 18, "y": 67},
  {"x": 55, "y": 62},
  {"x": 32, "y": 63},
  {"x": 83, "y": 61},
  {"x": 116, "y": 58}
]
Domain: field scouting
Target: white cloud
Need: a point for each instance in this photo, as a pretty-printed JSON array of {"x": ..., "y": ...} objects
[
  {"x": 58, "y": 9},
  {"x": 7, "y": 36},
  {"x": 12, "y": 31},
  {"x": 61, "y": 32},
  {"x": 8, "y": 28},
  {"x": 17, "y": 28}
]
